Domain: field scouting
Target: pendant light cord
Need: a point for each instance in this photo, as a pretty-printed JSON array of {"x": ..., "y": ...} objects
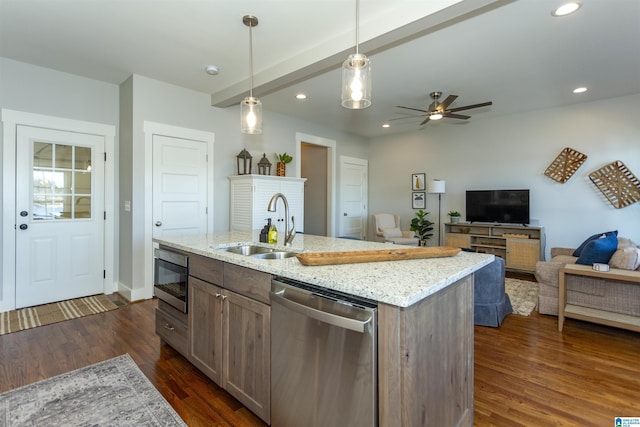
[
  {"x": 250, "y": 59},
  {"x": 357, "y": 25}
]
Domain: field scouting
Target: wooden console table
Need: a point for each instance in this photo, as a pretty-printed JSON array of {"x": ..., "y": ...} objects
[{"x": 591, "y": 314}]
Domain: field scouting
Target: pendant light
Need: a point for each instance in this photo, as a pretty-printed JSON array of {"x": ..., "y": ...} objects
[
  {"x": 356, "y": 76},
  {"x": 250, "y": 107}
]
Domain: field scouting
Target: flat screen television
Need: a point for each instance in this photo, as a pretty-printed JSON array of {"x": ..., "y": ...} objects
[{"x": 501, "y": 206}]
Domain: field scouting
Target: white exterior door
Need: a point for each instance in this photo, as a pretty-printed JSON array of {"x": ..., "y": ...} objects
[
  {"x": 353, "y": 197},
  {"x": 59, "y": 215},
  {"x": 179, "y": 186}
]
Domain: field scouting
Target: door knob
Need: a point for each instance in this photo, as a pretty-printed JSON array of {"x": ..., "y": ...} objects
[
  {"x": 345, "y": 214},
  {"x": 23, "y": 226},
  {"x": 158, "y": 223}
]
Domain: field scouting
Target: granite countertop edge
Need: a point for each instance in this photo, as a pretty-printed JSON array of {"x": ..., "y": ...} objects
[{"x": 398, "y": 283}]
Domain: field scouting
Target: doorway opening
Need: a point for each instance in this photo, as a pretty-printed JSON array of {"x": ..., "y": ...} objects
[{"x": 314, "y": 160}]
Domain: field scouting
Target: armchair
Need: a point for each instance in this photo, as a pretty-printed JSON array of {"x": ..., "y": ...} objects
[{"x": 388, "y": 230}]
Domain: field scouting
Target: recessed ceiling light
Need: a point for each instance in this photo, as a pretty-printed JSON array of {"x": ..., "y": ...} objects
[
  {"x": 212, "y": 70},
  {"x": 301, "y": 96},
  {"x": 386, "y": 125},
  {"x": 581, "y": 89},
  {"x": 566, "y": 9}
]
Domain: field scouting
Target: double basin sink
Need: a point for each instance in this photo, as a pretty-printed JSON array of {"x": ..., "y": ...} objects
[{"x": 261, "y": 252}]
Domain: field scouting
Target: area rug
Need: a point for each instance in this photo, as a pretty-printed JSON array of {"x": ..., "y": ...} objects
[
  {"x": 110, "y": 393},
  {"x": 523, "y": 295},
  {"x": 31, "y": 317}
]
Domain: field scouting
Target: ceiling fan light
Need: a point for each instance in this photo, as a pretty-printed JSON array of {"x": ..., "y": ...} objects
[
  {"x": 436, "y": 116},
  {"x": 251, "y": 115}
]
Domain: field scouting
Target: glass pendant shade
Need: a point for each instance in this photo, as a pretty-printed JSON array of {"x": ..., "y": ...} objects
[
  {"x": 251, "y": 115},
  {"x": 356, "y": 82}
]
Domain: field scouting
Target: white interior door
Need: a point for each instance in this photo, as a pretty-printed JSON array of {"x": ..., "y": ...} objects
[
  {"x": 353, "y": 197},
  {"x": 59, "y": 215},
  {"x": 179, "y": 186}
]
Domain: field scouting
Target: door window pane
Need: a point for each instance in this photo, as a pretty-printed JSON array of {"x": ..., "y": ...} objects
[{"x": 62, "y": 181}]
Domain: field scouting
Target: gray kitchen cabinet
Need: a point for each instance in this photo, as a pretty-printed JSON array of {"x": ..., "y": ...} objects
[{"x": 229, "y": 330}]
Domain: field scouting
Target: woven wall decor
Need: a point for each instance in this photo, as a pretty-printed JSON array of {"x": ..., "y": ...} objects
[
  {"x": 565, "y": 165},
  {"x": 617, "y": 183}
]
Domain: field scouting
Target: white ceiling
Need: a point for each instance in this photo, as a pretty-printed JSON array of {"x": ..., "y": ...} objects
[{"x": 511, "y": 52}]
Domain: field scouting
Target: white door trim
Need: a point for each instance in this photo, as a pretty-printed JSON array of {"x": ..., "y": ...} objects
[
  {"x": 331, "y": 173},
  {"x": 10, "y": 120},
  {"x": 150, "y": 129}
]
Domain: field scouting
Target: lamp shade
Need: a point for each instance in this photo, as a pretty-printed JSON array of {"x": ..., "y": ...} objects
[
  {"x": 251, "y": 115},
  {"x": 436, "y": 186},
  {"x": 356, "y": 82}
]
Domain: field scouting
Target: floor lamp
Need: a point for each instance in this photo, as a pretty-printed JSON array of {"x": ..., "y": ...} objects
[{"x": 436, "y": 186}]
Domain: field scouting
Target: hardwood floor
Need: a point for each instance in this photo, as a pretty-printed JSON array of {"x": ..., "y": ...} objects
[{"x": 526, "y": 372}]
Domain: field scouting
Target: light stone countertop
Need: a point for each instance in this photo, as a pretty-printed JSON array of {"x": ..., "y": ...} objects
[{"x": 399, "y": 283}]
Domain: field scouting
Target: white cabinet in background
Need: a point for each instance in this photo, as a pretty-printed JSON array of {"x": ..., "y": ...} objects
[{"x": 250, "y": 196}]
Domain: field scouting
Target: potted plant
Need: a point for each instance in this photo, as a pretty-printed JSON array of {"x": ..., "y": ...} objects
[
  {"x": 281, "y": 163},
  {"x": 454, "y": 216},
  {"x": 422, "y": 227}
]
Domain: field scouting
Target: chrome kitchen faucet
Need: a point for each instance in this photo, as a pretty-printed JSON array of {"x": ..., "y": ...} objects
[{"x": 288, "y": 234}]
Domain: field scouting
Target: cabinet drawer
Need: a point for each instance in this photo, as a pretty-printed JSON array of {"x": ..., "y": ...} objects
[
  {"x": 250, "y": 283},
  {"x": 172, "y": 331},
  {"x": 208, "y": 269}
]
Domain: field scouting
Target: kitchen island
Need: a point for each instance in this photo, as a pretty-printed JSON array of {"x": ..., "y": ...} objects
[{"x": 425, "y": 318}]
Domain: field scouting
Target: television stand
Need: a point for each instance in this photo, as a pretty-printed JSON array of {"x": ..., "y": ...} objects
[{"x": 521, "y": 246}]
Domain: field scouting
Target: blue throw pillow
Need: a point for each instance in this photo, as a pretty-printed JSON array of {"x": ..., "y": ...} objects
[
  {"x": 578, "y": 251},
  {"x": 599, "y": 250}
]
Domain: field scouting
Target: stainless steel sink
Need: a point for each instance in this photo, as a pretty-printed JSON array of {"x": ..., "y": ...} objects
[
  {"x": 275, "y": 255},
  {"x": 248, "y": 249},
  {"x": 259, "y": 252}
]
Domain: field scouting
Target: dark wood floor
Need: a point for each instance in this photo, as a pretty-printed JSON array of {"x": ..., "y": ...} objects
[{"x": 526, "y": 372}]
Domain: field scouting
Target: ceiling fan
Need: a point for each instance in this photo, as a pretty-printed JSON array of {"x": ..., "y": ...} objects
[{"x": 437, "y": 110}]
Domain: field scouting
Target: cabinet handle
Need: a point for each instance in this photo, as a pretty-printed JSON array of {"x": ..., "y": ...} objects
[
  {"x": 218, "y": 295},
  {"x": 169, "y": 327},
  {"x": 224, "y": 297}
]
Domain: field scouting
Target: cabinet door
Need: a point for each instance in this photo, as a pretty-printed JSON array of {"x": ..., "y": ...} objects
[
  {"x": 457, "y": 240},
  {"x": 522, "y": 254},
  {"x": 247, "y": 346},
  {"x": 205, "y": 326}
]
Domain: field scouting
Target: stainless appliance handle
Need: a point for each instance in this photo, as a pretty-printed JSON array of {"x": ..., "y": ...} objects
[
  {"x": 172, "y": 257},
  {"x": 323, "y": 316}
]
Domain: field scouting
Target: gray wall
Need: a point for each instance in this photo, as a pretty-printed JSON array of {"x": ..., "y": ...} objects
[{"x": 513, "y": 152}]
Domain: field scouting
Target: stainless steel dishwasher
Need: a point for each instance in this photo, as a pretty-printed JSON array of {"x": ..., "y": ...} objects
[{"x": 323, "y": 357}]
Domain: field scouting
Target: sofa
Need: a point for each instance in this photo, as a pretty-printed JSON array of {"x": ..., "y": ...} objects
[{"x": 585, "y": 291}]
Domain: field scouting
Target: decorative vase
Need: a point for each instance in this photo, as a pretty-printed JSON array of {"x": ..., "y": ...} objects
[
  {"x": 422, "y": 242},
  {"x": 455, "y": 219},
  {"x": 281, "y": 169}
]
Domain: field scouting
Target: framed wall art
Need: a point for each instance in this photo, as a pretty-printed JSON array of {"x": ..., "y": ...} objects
[
  {"x": 418, "y": 182},
  {"x": 418, "y": 199}
]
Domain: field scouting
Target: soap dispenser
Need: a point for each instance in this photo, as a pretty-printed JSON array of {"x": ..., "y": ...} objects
[
  {"x": 273, "y": 233},
  {"x": 264, "y": 233}
]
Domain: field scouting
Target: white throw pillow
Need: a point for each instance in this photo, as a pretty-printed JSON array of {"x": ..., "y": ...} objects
[
  {"x": 626, "y": 259},
  {"x": 391, "y": 232}
]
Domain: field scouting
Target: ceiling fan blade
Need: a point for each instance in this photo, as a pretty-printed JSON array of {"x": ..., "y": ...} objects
[
  {"x": 408, "y": 116},
  {"x": 425, "y": 121},
  {"x": 456, "y": 116},
  {"x": 409, "y": 108},
  {"x": 468, "y": 107},
  {"x": 448, "y": 100}
]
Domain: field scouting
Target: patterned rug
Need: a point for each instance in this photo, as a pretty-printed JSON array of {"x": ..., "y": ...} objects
[
  {"x": 523, "y": 295},
  {"x": 110, "y": 393},
  {"x": 31, "y": 317}
]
